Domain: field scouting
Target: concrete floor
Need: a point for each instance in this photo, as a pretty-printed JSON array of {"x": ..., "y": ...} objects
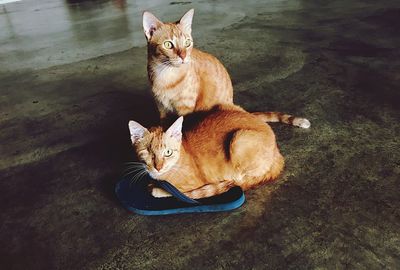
[{"x": 73, "y": 73}]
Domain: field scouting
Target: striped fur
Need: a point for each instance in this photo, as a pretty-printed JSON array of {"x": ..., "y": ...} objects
[
  {"x": 283, "y": 118},
  {"x": 185, "y": 79},
  {"x": 216, "y": 149}
]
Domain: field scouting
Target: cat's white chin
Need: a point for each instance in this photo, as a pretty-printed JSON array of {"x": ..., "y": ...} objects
[
  {"x": 179, "y": 62},
  {"x": 154, "y": 175},
  {"x": 157, "y": 174}
]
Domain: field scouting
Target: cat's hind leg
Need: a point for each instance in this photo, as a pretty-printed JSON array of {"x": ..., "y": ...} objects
[
  {"x": 253, "y": 156},
  {"x": 210, "y": 190}
]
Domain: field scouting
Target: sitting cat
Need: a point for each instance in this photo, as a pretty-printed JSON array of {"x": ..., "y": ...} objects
[
  {"x": 213, "y": 151},
  {"x": 185, "y": 79}
]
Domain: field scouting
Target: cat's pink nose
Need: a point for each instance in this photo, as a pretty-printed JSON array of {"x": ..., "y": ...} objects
[
  {"x": 159, "y": 164},
  {"x": 182, "y": 54}
]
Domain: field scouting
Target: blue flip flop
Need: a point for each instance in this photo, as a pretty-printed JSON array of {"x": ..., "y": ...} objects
[{"x": 136, "y": 197}]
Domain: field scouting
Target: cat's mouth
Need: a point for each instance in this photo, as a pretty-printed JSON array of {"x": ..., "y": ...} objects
[
  {"x": 161, "y": 173},
  {"x": 178, "y": 62}
]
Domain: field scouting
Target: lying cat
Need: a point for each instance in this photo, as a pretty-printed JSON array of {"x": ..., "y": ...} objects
[
  {"x": 213, "y": 151},
  {"x": 185, "y": 79}
]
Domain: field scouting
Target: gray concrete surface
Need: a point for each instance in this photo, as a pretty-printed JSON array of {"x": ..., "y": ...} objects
[{"x": 73, "y": 73}]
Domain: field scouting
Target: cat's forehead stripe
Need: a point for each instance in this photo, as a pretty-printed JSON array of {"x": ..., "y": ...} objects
[
  {"x": 156, "y": 140},
  {"x": 169, "y": 31}
]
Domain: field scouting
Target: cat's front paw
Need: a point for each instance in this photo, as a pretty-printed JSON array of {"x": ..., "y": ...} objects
[{"x": 159, "y": 193}]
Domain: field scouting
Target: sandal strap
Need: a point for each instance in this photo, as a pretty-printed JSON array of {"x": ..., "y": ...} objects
[{"x": 175, "y": 192}]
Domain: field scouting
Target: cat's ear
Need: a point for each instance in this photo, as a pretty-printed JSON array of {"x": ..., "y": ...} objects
[
  {"x": 150, "y": 24},
  {"x": 137, "y": 131},
  {"x": 175, "y": 130},
  {"x": 186, "y": 21}
]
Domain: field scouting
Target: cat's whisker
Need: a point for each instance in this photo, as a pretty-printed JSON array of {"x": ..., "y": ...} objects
[
  {"x": 138, "y": 176},
  {"x": 144, "y": 173},
  {"x": 134, "y": 177},
  {"x": 133, "y": 163},
  {"x": 133, "y": 167},
  {"x": 141, "y": 173},
  {"x": 133, "y": 171}
]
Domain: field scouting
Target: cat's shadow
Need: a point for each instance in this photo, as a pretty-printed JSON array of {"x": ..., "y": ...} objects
[{"x": 113, "y": 149}]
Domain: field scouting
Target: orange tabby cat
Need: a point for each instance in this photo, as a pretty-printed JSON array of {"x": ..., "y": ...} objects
[
  {"x": 185, "y": 79},
  {"x": 215, "y": 150}
]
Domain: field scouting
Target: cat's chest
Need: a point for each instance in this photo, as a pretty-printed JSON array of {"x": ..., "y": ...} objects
[
  {"x": 174, "y": 89},
  {"x": 170, "y": 79},
  {"x": 176, "y": 100}
]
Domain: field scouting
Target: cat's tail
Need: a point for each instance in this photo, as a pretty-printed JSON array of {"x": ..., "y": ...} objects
[
  {"x": 283, "y": 118},
  {"x": 209, "y": 190}
]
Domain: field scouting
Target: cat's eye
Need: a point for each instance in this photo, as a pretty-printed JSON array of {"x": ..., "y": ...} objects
[
  {"x": 168, "y": 44},
  {"x": 168, "y": 153},
  {"x": 188, "y": 42}
]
